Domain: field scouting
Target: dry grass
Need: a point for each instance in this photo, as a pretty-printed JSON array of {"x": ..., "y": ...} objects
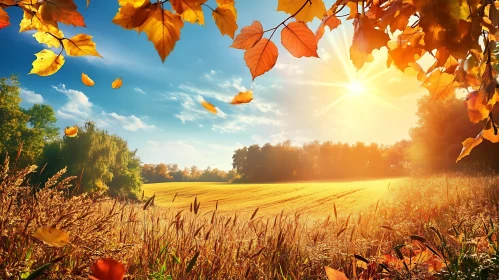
[{"x": 450, "y": 215}]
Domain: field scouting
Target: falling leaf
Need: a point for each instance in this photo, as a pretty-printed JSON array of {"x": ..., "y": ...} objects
[
  {"x": 4, "y": 18},
  {"x": 330, "y": 20},
  {"x": 131, "y": 16},
  {"x": 299, "y": 40},
  {"x": 47, "y": 63},
  {"x": 243, "y": 97},
  {"x": 88, "y": 3},
  {"x": 107, "y": 269},
  {"x": 86, "y": 80},
  {"x": 64, "y": 11},
  {"x": 249, "y": 36},
  {"x": 440, "y": 85},
  {"x": 190, "y": 10},
  {"x": 71, "y": 131},
  {"x": 52, "y": 40},
  {"x": 117, "y": 83},
  {"x": 309, "y": 10},
  {"x": 80, "y": 45},
  {"x": 163, "y": 30},
  {"x": 333, "y": 274},
  {"x": 469, "y": 144},
  {"x": 210, "y": 107},
  {"x": 261, "y": 58},
  {"x": 225, "y": 20},
  {"x": 52, "y": 236}
]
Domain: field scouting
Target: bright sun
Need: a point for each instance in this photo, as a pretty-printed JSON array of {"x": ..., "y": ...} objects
[{"x": 356, "y": 88}]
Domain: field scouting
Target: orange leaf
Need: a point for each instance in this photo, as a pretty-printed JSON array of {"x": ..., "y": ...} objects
[
  {"x": 397, "y": 15},
  {"x": 333, "y": 274},
  {"x": 353, "y": 6},
  {"x": 71, "y": 131},
  {"x": 242, "y": 97},
  {"x": 489, "y": 132},
  {"x": 311, "y": 10},
  {"x": 229, "y": 4},
  {"x": 299, "y": 40},
  {"x": 107, "y": 269},
  {"x": 477, "y": 106},
  {"x": 330, "y": 20},
  {"x": 163, "y": 29},
  {"x": 440, "y": 85},
  {"x": 366, "y": 38},
  {"x": 261, "y": 58},
  {"x": 4, "y": 18},
  {"x": 249, "y": 36},
  {"x": 469, "y": 144},
  {"x": 225, "y": 20},
  {"x": 64, "y": 11},
  {"x": 117, "y": 83},
  {"x": 86, "y": 80},
  {"x": 210, "y": 107},
  {"x": 130, "y": 16},
  {"x": 190, "y": 10}
]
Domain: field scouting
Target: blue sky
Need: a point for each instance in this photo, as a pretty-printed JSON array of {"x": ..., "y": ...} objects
[{"x": 157, "y": 109}]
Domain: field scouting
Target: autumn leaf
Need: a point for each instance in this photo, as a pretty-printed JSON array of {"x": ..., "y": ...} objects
[
  {"x": 117, "y": 83},
  {"x": 71, "y": 131},
  {"x": 52, "y": 236},
  {"x": 353, "y": 6},
  {"x": 397, "y": 15},
  {"x": 210, "y": 107},
  {"x": 229, "y": 4},
  {"x": 469, "y": 144},
  {"x": 249, "y": 36},
  {"x": 476, "y": 103},
  {"x": 299, "y": 40},
  {"x": 261, "y": 58},
  {"x": 4, "y": 18},
  {"x": 88, "y": 3},
  {"x": 131, "y": 16},
  {"x": 51, "y": 40},
  {"x": 86, "y": 80},
  {"x": 107, "y": 269},
  {"x": 333, "y": 274},
  {"x": 440, "y": 85},
  {"x": 225, "y": 21},
  {"x": 47, "y": 63},
  {"x": 330, "y": 20},
  {"x": 491, "y": 132},
  {"x": 163, "y": 30},
  {"x": 64, "y": 11},
  {"x": 80, "y": 45},
  {"x": 309, "y": 9},
  {"x": 366, "y": 38},
  {"x": 190, "y": 10},
  {"x": 242, "y": 97},
  {"x": 30, "y": 22}
]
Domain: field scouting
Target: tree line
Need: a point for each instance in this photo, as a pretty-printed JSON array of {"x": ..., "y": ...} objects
[{"x": 158, "y": 173}]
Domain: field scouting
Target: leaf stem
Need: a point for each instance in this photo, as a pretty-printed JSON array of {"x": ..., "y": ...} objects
[{"x": 288, "y": 18}]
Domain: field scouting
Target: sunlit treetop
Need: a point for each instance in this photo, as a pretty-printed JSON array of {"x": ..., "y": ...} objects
[{"x": 459, "y": 35}]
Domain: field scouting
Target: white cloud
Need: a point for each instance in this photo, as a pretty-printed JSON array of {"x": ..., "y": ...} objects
[
  {"x": 241, "y": 122},
  {"x": 31, "y": 97},
  {"x": 236, "y": 83},
  {"x": 290, "y": 69},
  {"x": 210, "y": 75},
  {"x": 131, "y": 123},
  {"x": 78, "y": 107},
  {"x": 190, "y": 109},
  {"x": 224, "y": 97},
  {"x": 139, "y": 90},
  {"x": 276, "y": 86},
  {"x": 324, "y": 55}
]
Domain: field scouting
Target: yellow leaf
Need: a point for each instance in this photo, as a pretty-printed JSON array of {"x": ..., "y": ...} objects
[
  {"x": 469, "y": 144},
  {"x": 490, "y": 133},
  {"x": 71, "y": 131},
  {"x": 308, "y": 11},
  {"x": 210, "y": 107},
  {"x": 478, "y": 109},
  {"x": 225, "y": 20},
  {"x": 117, "y": 83},
  {"x": 30, "y": 22},
  {"x": 242, "y": 97},
  {"x": 333, "y": 274},
  {"x": 261, "y": 58},
  {"x": 134, "y": 3},
  {"x": 190, "y": 10},
  {"x": 80, "y": 45},
  {"x": 299, "y": 40},
  {"x": 163, "y": 30},
  {"x": 64, "y": 11},
  {"x": 4, "y": 18},
  {"x": 130, "y": 16},
  {"x": 52, "y": 236},
  {"x": 440, "y": 85},
  {"x": 49, "y": 39},
  {"x": 250, "y": 35},
  {"x": 86, "y": 80},
  {"x": 47, "y": 63}
]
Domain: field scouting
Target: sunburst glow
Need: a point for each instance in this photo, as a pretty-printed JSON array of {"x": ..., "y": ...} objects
[{"x": 356, "y": 88}]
